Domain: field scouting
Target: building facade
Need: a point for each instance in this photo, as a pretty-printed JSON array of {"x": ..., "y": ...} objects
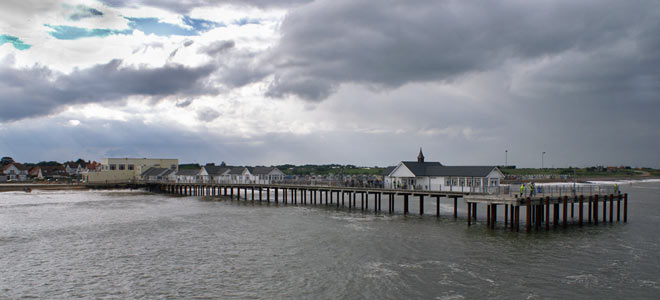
[{"x": 117, "y": 170}]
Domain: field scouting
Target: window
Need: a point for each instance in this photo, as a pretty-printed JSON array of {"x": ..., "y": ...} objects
[
  {"x": 122, "y": 167},
  {"x": 113, "y": 167},
  {"x": 131, "y": 167}
]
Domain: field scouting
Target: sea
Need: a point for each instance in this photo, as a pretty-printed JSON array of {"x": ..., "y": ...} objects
[{"x": 131, "y": 244}]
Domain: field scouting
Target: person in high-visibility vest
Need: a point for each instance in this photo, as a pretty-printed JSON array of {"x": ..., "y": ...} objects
[{"x": 522, "y": 190}]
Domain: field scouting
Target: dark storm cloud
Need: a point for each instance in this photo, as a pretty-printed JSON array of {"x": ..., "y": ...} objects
[
  {"x": 185, "y": 6},
  {"x": 38, "y": 91},
  {"x": 327, "y": 43}
]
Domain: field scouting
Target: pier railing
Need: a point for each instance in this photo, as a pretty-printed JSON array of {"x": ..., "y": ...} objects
[{"x": 553, "y": 190}]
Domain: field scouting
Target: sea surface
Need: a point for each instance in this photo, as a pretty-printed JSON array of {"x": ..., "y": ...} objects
[{"x": 138, "y": 245}]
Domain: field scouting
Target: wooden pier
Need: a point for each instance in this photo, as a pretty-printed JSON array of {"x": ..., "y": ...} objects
[{"x": 536, "y": 208}]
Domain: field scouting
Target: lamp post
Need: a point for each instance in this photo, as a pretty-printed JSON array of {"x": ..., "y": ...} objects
[
  {"x": 506, "y": 157},
  {"x": 542, "y": 154}
]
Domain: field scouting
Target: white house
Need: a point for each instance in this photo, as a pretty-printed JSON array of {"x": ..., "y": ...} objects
[
  {"x": 421, "y": 175},
  {"x": 240, "y": 175},
  {"x": 189, "y": 176},
  {"x": 14, "y": 172},
  {"x": 215, "y": 174},
  {"x": 266, "y": 175}
]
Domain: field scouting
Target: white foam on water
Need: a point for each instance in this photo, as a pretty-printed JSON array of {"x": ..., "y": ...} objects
[{"x": 378, "y": 270}]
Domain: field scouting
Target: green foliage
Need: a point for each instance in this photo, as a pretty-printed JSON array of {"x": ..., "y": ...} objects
[
  {"x": 189, "y": 166},
  {"x": 48, "y": 163}
]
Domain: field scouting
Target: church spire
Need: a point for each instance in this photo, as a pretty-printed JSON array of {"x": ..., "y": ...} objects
[{"x": 420, "y": 157}]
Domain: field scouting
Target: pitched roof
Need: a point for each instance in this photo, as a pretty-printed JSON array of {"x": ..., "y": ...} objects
[
  {"x": 261, "y": 170},
  {"x": 437, "y": 169},
  {"x": 215, "y": 170},
  {"x": 420, "y": 168},
  {"x": 157, "y": 172},
  {"x": 237, "y": 171},
  {"x": 188, "y": 172}
]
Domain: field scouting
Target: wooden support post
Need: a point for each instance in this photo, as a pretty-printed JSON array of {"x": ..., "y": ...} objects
[
  {"x": 528, "y": 218},
  {"x": 493, "y": 215},
  {"x": 596, "y": 209},
  {"x": 605, "y": 208},
  {"x": 260, "y": 196},
  {"x": 547, "y": 213},
  {"x": 488, "y": 210},
  {"x": 618, "y": 208},
  {"x": 354, "y": 201},
  {"x": 589, "y": 204},
  {"x": 455, "y": 208},
  {"x": 506, "y": 215},
  {"x": 572, "y": 209},
  {"x": 565, "y": 215},
  {"x": 517, "y": 219},
  {"x": 469, "y": 213},
  {"x": 405, "y": 204},
  {"x": 421, "y": 205},
  {"x": 611, "y": 208},
  {"x": 437, "y": 206},
  {"x": 581, "y": 201},
  {"x": 342, "y": 199},
  {"x": 365, "y": 199},
  {"x": 625, "y": 208}
]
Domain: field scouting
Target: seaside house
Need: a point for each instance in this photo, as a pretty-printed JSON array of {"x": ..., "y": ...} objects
[
  {"x": 115, "y": 170},
  {"x": 14, "y": 172},
  {"x": 189, "y": 176},
  {"x": 266, "y": 175},
  {"x": 421, "y": 175},
  {"x": 240, "y": 175},
  {"x": 215, "y": 174}
]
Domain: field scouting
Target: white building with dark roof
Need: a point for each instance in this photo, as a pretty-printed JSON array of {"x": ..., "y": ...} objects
[
  {"x": 266, "y": 175},
  {"x": 421, "y": 175}
]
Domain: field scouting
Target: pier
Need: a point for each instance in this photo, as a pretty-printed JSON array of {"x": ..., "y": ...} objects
[{"x": 583, "y": 205}]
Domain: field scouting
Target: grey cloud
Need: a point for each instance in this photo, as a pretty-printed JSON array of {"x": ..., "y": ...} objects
[
  {"x": 187, "y": 43},
  {"x": 38, "y": 91},
  {"x": 217, "y": 47},
  {"x": 185, "y": 6},
  {"x": 328, "y": 43},
  {"x": 184, "y": 103},
  {"x": 207, "y": 115}
]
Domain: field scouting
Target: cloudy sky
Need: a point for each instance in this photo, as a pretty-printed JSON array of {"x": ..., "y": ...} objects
[{"x": 332, "y": 81}]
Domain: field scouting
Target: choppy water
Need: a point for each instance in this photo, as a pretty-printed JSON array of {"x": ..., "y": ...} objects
[{"x": 123, "y": 244}]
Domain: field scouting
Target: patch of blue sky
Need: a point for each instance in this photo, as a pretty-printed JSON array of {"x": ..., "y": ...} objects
[
  {"x": 18, "y": 44},
  {"x": 61, "y": 32},
  {"x": 246, "y": 21},
  {"x": 82, "y": 12},
  {"x": 146, "y": 25},
  {"x": 154, "y": 26}
]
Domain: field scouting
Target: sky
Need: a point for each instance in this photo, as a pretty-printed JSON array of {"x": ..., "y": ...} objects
[{"x": 266, "y": 82}]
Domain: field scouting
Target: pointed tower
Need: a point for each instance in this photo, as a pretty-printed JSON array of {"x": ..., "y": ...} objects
[{"x": 420, "y": 157}]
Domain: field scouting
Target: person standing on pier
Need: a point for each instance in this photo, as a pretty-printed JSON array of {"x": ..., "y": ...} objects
[
  {"x": 522, "y": 190},
  {"x": 532, "y": 190}
]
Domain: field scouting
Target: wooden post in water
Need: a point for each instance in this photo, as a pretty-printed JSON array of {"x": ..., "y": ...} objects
[
  {"x": 488, "y": 210},
  {"x": 596, "y": 209},
  {"x": 455, "y": 209},
  {"x": 517, "y": 210},
  {"x": 469, "y": 213},
  {"x": 421, "y": 205},
  {"x": 474, "y": 211},
  {"x": 405, "y": 204},
  {"x": 618, "y": 208},
  {"x": 437, "y": 206},
  {"x": 589, "y": 204},
  {"x": 565, "y": 219},
  {"x": 605, "y": 209},
  {"x": 493, "y": 216},
  {"x": 528, "y": 219},
  {"x": 547, "y": 213},
  {"x": 625, "y": 208},
  {"x": 611, "y": 208},
  {"x": 580, "y": 210},
  {"x": 506, "y": 215}
]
